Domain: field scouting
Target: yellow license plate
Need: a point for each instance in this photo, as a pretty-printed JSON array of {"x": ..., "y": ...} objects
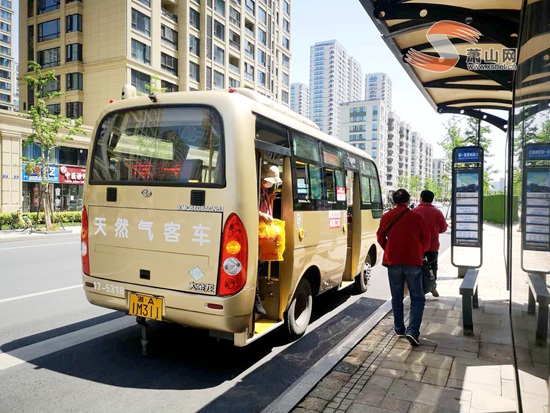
[{"x": 145, "y": 306}]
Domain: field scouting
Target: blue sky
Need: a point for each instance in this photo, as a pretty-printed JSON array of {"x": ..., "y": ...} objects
[{"x": 347, "y": 22}]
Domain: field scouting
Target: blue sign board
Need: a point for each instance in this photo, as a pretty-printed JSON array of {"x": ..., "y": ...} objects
[
  {"x": 466, "y": 154},
  {"x": 537, "y": 153},
  {"x": 35, "y": 175}
]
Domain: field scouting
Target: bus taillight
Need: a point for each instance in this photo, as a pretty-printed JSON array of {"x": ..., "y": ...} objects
[
  {"x": 84, "y": 250},
  {"x": 234, "y": 256}
]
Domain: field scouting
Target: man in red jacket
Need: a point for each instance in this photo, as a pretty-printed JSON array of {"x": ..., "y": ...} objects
[
  {"x": 405, "y": 238},
  {"x": 436, "y": 224}
]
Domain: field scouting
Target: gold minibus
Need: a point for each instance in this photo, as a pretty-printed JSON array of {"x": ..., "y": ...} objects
[{"x": 170, "y": 217}]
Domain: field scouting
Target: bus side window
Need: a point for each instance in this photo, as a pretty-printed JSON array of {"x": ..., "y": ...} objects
[
  {"x": 330, "y": 185},
  {"x": 302, "y": 182},
  {"x": 316, "y": 182},
  {"x": 365, "y": 192}
]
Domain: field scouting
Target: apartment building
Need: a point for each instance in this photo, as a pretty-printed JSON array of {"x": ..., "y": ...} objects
[
  {"x": 364, "y": 124},
  {"x": 421, "y": 158},
  {"x": 378, "y": 86},
  {"x": 8, "y": 67},
  {"x": 335, "y": 78},
  {"x": 97, "y": 46},
  {"x": 299, "y": 99}
]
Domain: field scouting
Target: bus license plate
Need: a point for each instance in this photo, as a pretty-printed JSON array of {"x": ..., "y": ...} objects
[{"x": 145, "y": 306}]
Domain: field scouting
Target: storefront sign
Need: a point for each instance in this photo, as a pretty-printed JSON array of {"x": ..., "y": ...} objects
[
  {"x": 72, "y": 175},
  {"x": 36, "y": 176}
]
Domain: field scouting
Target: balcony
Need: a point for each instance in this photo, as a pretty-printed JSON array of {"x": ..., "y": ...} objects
[{"x": 169, "y": 15}]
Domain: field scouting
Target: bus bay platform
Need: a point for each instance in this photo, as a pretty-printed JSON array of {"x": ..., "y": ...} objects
[{"x": 449, "y": 372}]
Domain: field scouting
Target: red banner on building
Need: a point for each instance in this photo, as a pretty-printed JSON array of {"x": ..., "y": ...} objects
[{"x": 72, "y": 175}]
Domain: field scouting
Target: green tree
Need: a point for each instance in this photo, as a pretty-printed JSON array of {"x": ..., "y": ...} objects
[
  {"x": 431, "y": 185},
  {"x": 415, "y": 186},
  {"x": 471, "y": 138},
  {"x": 155, "y": 87},
  {"x": 453, "y": 138},
  {"x": 46, "y": 131}
]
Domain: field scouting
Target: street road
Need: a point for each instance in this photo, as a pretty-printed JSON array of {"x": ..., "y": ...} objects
[{"x": 61, "y": 354}]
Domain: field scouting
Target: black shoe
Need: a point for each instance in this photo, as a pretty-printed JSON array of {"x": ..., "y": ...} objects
[
  {"x": 400, "y": 335},
  {"x": 413, "y": 340},
  {"x": 435, "y": 293}
]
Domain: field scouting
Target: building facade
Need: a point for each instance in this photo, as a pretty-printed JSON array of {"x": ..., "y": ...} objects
[
  {"x": 378, "y": 86},
  {"x": 8, "y": 66},
  {"x": 421, "y": 158},
  {"x": 335, "y": 78},
  {"x": 364, "y": 124},
  {"x": 299, "y": 99},
  {"x": 95, "y": 47}
]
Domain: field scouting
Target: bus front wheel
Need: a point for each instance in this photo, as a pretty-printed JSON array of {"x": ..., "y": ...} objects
[
  {"x": 362, "y": 279},
  {"x": 299, "y": 313}
]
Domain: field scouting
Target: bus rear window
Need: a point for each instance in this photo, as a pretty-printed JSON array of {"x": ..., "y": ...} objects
[{"x": 170, "y": 145}]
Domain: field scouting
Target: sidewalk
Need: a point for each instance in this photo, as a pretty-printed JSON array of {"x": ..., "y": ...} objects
[
  {"x": 448, "y": 372},
  {"x": 9, "y": 235}
]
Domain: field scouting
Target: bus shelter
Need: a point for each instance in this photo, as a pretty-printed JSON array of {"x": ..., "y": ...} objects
[{"x": 490, "y": 59}]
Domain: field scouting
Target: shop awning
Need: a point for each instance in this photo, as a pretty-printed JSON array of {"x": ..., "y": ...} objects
[{"x": 472, "y": 78}]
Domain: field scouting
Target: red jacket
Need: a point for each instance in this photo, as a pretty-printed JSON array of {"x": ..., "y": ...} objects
[
  {"x": 408, "y": 239},
  {"x": 435, "y": 221}
]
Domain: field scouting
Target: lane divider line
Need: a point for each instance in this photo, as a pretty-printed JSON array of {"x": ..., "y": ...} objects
[
  {"x": 5, "y": 300},
  {"x": 46, "y": 347}
]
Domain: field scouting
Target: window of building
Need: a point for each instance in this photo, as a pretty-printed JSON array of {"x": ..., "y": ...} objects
[
  {"x": 48, "y": 30},
  {"x": 374, "y": 126},
  {"x": 286, "y": 79},
  {"x": 219, "y": 80},
  {"x": 234, "y": 83},
  {"x": 74, "y": 52},
  {"x": 194, "y": 45},
  {"x": 234, "y": 16},
  {"x": 261, "y": 77},
  {"x": 53, "y": 85},
  {"x": 219, "y": 55},
  {"x": 141, "y": 52},
  {"x": 262, "y": 15},
  {"x": 73, "y": 23},
  {"x": 5, "y": 86},
  {"x": 286, "y": 61},
  {"x": 248, "y": 71},
  {"x": 284, "y": 96},
  {"x": 169, "y": 36},
  {"x": 54, "y": 109},
  {"x": 139, "y": 80},
  {"x": 5, "y": 50},
  {"x": 234, "y": 40},
  {"x": 286, "y": 7},
  {"x": 4, "y": 74},
  {"x": 169, "y": 63},
  {"x": 169, "y": 87},
  {"x": 219, "y": 30},
  {"x": 46, "y": 6},
  {"x": 194, "y": 18},
  {"x": 194, "y": 71},
  {"x": 5, "y": 27},
  {"x": 374, "y": 136},
  {"x": 261, "y": 57},
  {"x": 141, "y": 22},
  {"x": 74, "y": 110},
  {"x": 286, "y": 25},
  {"x": 74, "y": 81},
  {"x": 6, "y": 15},
  {"x": 286, "y": 42},
  {"x": 262, "y": 36},
  {"x": 146, "y": 3},
  {"x": 72, "y": 156},
  {"x": 49, "y": 57},
  {"x": 219, "y": 7},
  {"x": 249, "y": 49},
  {"x": 251, "y": 6}
]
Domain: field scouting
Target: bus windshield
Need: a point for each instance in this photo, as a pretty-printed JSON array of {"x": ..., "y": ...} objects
[{"x": 170, "y": 145}]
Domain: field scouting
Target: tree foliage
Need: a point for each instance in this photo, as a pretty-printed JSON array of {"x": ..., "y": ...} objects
[{"x": 48, "y": 131}]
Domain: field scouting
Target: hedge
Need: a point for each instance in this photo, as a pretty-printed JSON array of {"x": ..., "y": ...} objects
[
  {"x": 493, "y": 209},
  {"x": 67, "y": 217}
]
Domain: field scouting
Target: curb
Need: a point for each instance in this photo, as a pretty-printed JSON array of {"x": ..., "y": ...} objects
[
  {"x": 301, "y": 387},
  {"x": 10, "y": 236}
]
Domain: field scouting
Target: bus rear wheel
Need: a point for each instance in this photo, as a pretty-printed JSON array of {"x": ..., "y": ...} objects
[
  {"x": 362, "y": 279},
  {"x": 299, "y": 313}
]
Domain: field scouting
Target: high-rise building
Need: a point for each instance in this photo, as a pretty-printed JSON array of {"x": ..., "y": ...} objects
[
  {"x": 378, "y": 86},
  {"x": 8, "y": 67},
  {"x": 335, "y": 78},
  {"x": 364, "y": 124},
  {"x": 421, "y": 158},
  {"x": 95, "y": 47},
  {"x": 299, "y": 99}
]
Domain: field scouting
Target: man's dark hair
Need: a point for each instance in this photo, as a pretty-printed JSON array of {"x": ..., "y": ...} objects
[
  {"x": 427, "y": 196},
  {"x": 401, "y": 196}
]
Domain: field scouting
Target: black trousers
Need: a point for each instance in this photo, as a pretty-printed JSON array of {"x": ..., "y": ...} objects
[{"x": 432, "y": 259}]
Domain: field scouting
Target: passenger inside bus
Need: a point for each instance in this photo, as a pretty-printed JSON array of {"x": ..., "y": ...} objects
[{"x": 270, "y": 180}]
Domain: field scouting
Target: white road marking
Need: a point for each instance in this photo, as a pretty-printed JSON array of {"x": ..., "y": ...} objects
[
  {"x": 43, "y": 348},
  {"x": 35, "y": 246},
  {"x": 5, "y": 300}
]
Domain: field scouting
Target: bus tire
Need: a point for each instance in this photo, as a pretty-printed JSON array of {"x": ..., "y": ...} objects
[
  {"x": 299, "y": 312},
  {"x": 362, "y": 279}
]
